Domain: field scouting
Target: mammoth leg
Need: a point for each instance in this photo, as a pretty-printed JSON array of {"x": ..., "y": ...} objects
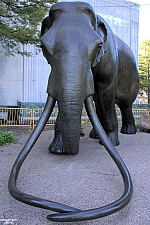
[
  {"x": 57, "y": 146},
  {"x": 128, "y": 123},
  {"x": 128, "y": 187},
  {"x": 106, "y": 112},
  {"x": 93, "y": 133}
]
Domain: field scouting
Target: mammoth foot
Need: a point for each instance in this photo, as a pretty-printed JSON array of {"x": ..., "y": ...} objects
[
  {"x": 57, "y": 147},
  {"x": 113, "y": 137},
  {"x": 93, "y": 134},
  {"x": 128, "y": 129}
]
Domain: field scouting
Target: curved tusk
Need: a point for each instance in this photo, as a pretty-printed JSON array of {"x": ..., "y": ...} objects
[
  {"x": 20, "y": 196},
  {"x": 128, "y": 187}
]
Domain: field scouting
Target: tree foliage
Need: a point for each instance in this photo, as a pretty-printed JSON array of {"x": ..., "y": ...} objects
[
  {"x": 19, "y": 23},
  {"x": 144, "y": 67}
]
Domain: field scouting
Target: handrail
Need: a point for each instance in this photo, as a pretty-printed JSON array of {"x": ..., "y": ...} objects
[{"x": 30, "y": 116}]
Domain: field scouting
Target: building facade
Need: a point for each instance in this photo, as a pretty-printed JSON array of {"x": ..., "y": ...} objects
[{"x": 25, "y": 78}]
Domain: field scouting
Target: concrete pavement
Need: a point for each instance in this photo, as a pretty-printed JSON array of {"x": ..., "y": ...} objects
[{"x": 87, "y": 180}]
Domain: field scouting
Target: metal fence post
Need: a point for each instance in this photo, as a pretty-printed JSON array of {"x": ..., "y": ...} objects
[{"x": 32, "y": 120}]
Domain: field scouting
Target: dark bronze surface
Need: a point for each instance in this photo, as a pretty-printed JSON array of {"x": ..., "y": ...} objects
[{"x": 86, "y": 60}]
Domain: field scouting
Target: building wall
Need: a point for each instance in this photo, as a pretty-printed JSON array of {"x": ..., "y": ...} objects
[
  {"x": 25, "y": 78},
  {"x": 35, "y": 76},
  {"x": 11, "y": 69},
  {"x": 123, "y": 18}
]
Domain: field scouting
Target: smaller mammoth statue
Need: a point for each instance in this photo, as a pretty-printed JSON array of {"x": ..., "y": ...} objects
[{"x": 87, "y": 58}]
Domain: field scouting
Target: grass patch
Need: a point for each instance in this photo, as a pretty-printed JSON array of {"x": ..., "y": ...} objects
[{"x": 6, "y": 138}]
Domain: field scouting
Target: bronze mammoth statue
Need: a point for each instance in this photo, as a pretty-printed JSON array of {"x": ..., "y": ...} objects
[
  {"x": 93, "y": 61},
  {"x": 86, "y": 60}
]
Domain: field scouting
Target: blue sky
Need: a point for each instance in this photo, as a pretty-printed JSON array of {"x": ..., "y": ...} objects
[{"x": 144, "y": 30}]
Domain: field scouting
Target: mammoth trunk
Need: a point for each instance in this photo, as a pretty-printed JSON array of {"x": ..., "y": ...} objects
[
  {"x": 70, "y": 125},
  {"x": 70, "y": 83}
]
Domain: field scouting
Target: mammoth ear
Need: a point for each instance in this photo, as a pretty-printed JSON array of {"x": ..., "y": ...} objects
[
  {"x": 47, "y": 23},
  {"x": 45, "y": 26},
  {"x": 102, "y": 32},
  {"x": 100, "y": 53}
]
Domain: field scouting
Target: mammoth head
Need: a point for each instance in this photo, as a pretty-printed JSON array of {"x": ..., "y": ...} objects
[
  {"x": 79, "y": 15},
  {"x": 63, "y": 7}
]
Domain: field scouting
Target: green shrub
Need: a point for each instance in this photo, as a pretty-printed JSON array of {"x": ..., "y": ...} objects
[{"x": 6, "y": 138}]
